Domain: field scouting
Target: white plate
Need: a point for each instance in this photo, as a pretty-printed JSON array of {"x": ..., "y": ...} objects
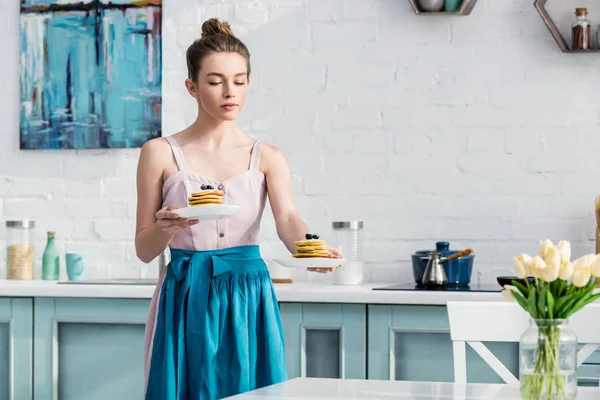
[
  {"x": 215, "y": 211},
  {"x": 316, "y": 262}
]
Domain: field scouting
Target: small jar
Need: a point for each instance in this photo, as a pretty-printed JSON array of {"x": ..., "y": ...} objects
[
  {"x": 20, "y": 236},
  {"x": 598, "y": 37},
  {"x": 349, "y": 241},
  {"x": 581, "y": 30}
]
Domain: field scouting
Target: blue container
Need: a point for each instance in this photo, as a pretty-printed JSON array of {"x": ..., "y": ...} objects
[
  {"x": 452, "y": 5},
  {"x": 457, "y": 271}
]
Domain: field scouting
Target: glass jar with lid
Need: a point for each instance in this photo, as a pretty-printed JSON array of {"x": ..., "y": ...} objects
[
  {"x": 20, "y": 236},
  {"x": 348, "y": 240},
  {"x": 581, "y": 30}
]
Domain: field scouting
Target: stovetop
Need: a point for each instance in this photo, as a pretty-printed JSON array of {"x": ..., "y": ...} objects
[{"x": 473, "y": 287}]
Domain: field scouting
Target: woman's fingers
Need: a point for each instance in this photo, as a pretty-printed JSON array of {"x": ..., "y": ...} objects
[
  {"x": 321, "y": 270},
  {"x": 334, "y": 253},
  {"x": 174, "y": 225},
  {"x": 167, "y": 212}
]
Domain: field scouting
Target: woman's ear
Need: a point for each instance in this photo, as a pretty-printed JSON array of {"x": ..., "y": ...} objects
[{"x": 191, "y": 88}]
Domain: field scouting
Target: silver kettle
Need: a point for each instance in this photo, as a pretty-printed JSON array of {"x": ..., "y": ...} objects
[{"x": 435, "y": 276}]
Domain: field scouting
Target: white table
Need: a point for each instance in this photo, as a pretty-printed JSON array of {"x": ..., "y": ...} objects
[{"x": 315, "y": 388}]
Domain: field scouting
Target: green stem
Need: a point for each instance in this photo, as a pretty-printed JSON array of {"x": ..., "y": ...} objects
[{"x": 547, "y": 368}]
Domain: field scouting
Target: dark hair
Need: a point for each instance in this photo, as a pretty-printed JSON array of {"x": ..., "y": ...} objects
[{"x": 217, "y": 37}]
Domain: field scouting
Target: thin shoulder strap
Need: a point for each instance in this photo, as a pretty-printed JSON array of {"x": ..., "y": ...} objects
[
  {"x": 177, "y": 153},
  {"x": 255, "y": 156}
]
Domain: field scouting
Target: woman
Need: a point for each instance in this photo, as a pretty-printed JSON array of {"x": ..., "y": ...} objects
[{"x": 214, "y": 328}]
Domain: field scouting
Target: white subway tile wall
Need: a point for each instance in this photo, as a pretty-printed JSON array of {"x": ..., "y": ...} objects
[{"x": 476, "y": 130}]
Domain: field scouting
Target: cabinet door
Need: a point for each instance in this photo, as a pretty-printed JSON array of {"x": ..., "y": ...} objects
[
  {"x": 325, "y": 340},
  {"x": 588, "y": 374},
  {"x": 89, "y": 349},
  {"x": 16, "y": 338},
  {"x": 413, "y": 343}
]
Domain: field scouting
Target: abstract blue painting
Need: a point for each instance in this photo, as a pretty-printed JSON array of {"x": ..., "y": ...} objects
[{"x": 91, "y": 73}]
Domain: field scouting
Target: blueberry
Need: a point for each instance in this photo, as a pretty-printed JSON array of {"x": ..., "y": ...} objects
[
  {"x": 308, "y": 236},
  {"x": 203, "y": 187},
  {"x": 208, "y": 187},
  {"x": 315, "y": 236}
]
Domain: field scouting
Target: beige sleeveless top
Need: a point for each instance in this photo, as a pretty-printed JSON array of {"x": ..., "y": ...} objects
[{"x": 246, "y": 189}]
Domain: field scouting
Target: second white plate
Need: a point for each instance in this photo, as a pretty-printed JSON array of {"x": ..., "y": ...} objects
[
  {"x": 211, "y": 212},
  {"x": 316, "y": 262}
]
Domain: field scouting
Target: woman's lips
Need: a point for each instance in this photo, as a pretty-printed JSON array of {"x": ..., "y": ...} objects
[{"x": 229, "y": 106}]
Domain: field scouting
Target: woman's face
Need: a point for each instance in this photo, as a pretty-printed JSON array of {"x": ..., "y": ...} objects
[{"x": 221, "y": 85}]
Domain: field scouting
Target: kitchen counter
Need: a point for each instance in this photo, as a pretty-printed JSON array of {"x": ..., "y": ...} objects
[
  {"x": 313, "y": 388},
  {"x": 286, "y": 293}
]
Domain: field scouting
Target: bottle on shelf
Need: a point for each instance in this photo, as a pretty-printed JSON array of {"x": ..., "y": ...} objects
[
  {"x": 50, "y": 259},
  {"x": 581, "y": 30}
]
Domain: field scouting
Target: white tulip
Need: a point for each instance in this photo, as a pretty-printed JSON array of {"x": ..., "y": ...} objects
[
  {"x": 552, "y": 257},
  {"x": 566, "y": 271},
  {"x": 538, "y": 266},
  {"x": 564, "y": 248},
  {"x": 550, "y": 273},
  {"x": 595, "y": 267},
  {"x": 507, "y": 292},
  {"x": 544, "y": 246},
  {"x": 581, "y": 276},
  {"x": 523, "y": 265},
  {"x": 584, "y": 261}
]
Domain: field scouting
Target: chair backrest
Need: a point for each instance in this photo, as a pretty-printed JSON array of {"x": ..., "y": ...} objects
[{"x": 474, "y": 322}]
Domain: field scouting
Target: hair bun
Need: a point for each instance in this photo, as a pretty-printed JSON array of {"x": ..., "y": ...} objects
[{"x": 214, "y": 27}]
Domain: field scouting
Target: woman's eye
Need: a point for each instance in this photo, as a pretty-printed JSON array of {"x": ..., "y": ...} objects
[
  {"x": 214, "y": 83},
  {"x": 240, "y": 83}
]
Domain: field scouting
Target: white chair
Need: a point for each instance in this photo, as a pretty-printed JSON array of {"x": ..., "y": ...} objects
[{"x": 476, "y": 322}]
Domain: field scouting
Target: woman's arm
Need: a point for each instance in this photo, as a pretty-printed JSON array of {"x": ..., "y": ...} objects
[
  {"x": 290, "y": 227},
  {"x": 155, "y": 227}
]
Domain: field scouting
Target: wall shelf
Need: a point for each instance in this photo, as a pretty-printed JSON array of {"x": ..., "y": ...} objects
[
  {"x": 465, "y": 8},
  {"x": 540, "y": 6}
]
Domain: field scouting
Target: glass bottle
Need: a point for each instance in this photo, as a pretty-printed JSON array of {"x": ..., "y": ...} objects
[
  {"x": 581, "y": 30},
  {"x": 50, "y": 259},
  {"x": 19, "y": 249},
  {"x": 548, "y": 360}
]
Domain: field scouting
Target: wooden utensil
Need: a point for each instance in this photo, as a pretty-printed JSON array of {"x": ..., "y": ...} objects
[
  {"x": 458, "y": 255},
  {"x": 598, "y": 225}
]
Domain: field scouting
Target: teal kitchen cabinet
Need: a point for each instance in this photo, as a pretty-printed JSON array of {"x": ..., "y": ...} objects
[
  {"x": 325, "y": 340},
  {"x": 412, "y": 342},
  {"x": 90, "y": 349},
  {"x": 16, "y": 333}
]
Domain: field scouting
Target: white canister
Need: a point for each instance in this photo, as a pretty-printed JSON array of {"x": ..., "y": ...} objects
[
  {"x": 279, "y": 273},
  {"x": 349, "y": 241}
]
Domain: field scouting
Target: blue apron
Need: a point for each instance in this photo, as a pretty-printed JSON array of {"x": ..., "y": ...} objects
[{"x": 218, "y": 332}]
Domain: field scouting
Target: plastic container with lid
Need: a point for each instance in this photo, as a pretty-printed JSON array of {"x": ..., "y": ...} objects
[
  {"x": 20, "y": 256},
  {"x": 348, "y": 239}
]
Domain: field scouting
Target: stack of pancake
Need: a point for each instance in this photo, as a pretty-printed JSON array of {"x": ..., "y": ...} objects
[
  {"x": 312, "y": 247},
  {"x": 206, "y": 198}
]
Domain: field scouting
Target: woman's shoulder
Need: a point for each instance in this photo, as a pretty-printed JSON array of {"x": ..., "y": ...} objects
[
  {"x": 272, "y": 156},
  {"x": 272, "y": 151},
  {"x": 156, "y": 152}
]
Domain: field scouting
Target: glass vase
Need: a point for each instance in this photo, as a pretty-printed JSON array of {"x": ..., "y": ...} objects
[{"x": 548, "y": 361}]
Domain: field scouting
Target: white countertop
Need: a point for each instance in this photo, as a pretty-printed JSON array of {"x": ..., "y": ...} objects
[
  {"x": 286, "y": 293},
  {"x": 316, "y": 388}
]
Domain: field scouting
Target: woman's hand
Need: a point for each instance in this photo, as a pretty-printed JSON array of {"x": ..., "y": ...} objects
[
  {"x": 333, "y": 253},
  {"x": 170, "y": 222}
]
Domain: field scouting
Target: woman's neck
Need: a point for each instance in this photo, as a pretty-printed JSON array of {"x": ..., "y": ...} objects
[{"x": 213, "y": 133}]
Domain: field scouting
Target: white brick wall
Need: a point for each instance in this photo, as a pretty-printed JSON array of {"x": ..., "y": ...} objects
[{"x": 475, "y": 130}]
